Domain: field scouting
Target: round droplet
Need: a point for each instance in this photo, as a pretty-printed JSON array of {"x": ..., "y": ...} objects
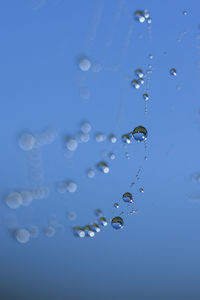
[
  {"x": 34, "y": 231},
  {"x": 103, "y": 167},
  {"x": 27, "y": 142},
  {"x": 139, "y": 73},
  {"x": 71, "y": 186},
  {"x": 84, "y": 137},
  {"x": 85, "y": 127},
  {"x": 173, "y": 72},
  {"x": 126, "y": 138},
  {"x": 22, "y": 236},
  {"x": 149, "y": 20},
  {"x": 88, "y": 231},
  {"x": 112, "y": 138},
  {"x": 71, "y": 144},
  {"x": 139, "y": 16},
  {"x": 79, "y": 232},
  {"x": 27, "y": 197},
  {"x": 13, "y": 200},
  {"x": 116, "y": 205},
  {"x": 100, "y": 137},
  {"x": 141, "y": 80},
  {"x": 141, "y": 190},
  {"x": 185, "y": 12},
  {"x": 90, "y": 173},
  {"x": 61, "y": 187},
  {"x": 146, "y": 14},
  {"x": 117, "y": 223},
  {"x": 102, "y": 221},
  {"x": 146, "y": 96},
  {"x": 71, "y": 215},
  {"x": 140, "y": 134},
  {"x": 127, "y": 155},
  {"x": 84, "y": 64},
  {"x": 50, "y": 231},
  {"x": 128, "y": 197},
  {"x": 135, "y": 83},
  {"x": 98, "y": 212},
  {"x": 111, "y": 155},
  {"x": 150, "y": 56},
  {"x": 95, "y": 227}
]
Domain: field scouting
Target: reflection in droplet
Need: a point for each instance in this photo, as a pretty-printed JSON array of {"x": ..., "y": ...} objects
[
  {"x": 23, "y": 235},
  {"x": 102, "y": 221},
  {"x": 126, "y": 138},
  {"x": 135, "y": 83},
  {"x": 141, "y": 190},
  {"x": 128, "y": 197},
  {"x": 84, "y": 64},
  {"x": 117, "y": 223},
  {"x": 103, "y": 167},
  {"x": 173, "y": 72},
  {"x": 95, "y": 227},
  {"x": 26, "y": 141},
  {"x": 116, "y": 205},
  {"x": 140, "y": 133},
  {"x": 13, "y": 200}
]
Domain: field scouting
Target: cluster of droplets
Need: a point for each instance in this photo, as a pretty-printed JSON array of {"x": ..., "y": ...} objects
[
  {"x": 136, "y": 83},
  {"x": 139, "y": 134},
  {"x": 143, "y": 16},
  {"x": 91, "y": 229}
]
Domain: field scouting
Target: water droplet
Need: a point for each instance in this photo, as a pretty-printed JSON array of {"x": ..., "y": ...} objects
[
  {"x": 103, "y": 167},
  {"x": 96, "y": 67},
  {"x": 141, "y": 190},
  {"x": 141, "y": 80},
  {"x": 135, "y": 83},
  {"x": 127, "y": 155},
  {"x": 128, "y": 197},
  {"x": 100, "y": 137},
  {"x": 149, "y": 20},
  {"x": 185, "y": 12},
  {"x": 139, "y": 73},
  {"x": 111, "y": 155},
  {"x": 84, "y": 137},
  {"x": 126, "y": 138},
  {"x": 116, "y": 205},
  {"x": 71, "y": 144},
  {"x": 146, "y": 14},
  {"x": 140, "y": 133},
  {"x": 71, "y": 215},
  {"x": 95, "y": 227},
  {"x": 173, "y": 72},
  {"x": 26, "y": 142},
  {"x": 50, "y": 231},
  {"x": 139, "y": 16},
  {"x": 61, "y": 187},
  {"x": 85, "y": 127},
  {"x": 98, "y": 212},
  {"x": 27, "y": 197},
  {"x": 71, "y": 186},
  {"x": 150, "y": 56},
  {"x": 88, "y": 231},
  {"x": 13, "y": 200},
  {"x": 84, "y": 64},
  {"x": 22, "y": 236},
  {"x": 112, "y": 138},
  {"x": 79, "y": 232},
  {"x": 146, "y": 96},
  {"x": 90, "y": 173},
  {"x": 102, "y": 221},
  {"x": 117, "y": 223},
  {"x": 34, "y": 231}
]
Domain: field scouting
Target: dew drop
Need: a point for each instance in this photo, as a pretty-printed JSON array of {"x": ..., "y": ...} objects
[
  {"x": 88, "y": 231},
  {"x": 22, "y": 236},
  {"x": 173, "y": 72},
  {"x": 103, "y": 167},
  {"x": 116, "y": 205},
  {"x": 126, "y": 138},
  {"x": 146, "y": 96},
  {"x": 84, "y": 64},
  {"x": 71, "y": 215},
  {"x": 139, "y": 73},
  {"x": 102, "y": 221},
  {"x": 112, "y": 138},
  {"x": 185, "y": 12},
  {"x": 139, "y": 16},
  {"x": 85, "y": 127},
  {"x": 50, "y": 231},
  {"x": 13, "y": 200},
  {"x": 135, "y": 83},
  {"x": 111, "y": 155},
  {"x": 71, "y": 144},
  {"x": 71, "y": 186},
  {"x": 140, "y": 133},
  {"x": 141, "y": 190},
  {"x": 79, "y": 232},
  {"x": 141, "y": 80},
  {"x": 26, "y": 142},
  {"x": 98, "y": 212},
  {"x": 95, "y": 227},
  {"x": 100, "y": 137},
  {"x": 117, "y": 223},
  {"x": 27, "y": 197},
  {"x": 127, "y": 155},
  {"x": 128, "y": 197},
  {"x": 150, "y": 56}
]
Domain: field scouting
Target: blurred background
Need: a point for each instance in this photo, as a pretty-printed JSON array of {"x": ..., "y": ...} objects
[{"x": 67, "y": 98}]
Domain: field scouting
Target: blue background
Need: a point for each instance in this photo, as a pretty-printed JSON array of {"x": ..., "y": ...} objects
[{"x": 156, "y": 254}]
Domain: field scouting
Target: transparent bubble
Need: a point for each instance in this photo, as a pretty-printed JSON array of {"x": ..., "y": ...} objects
[
  {"x": 34, "y": 231},
  {"x": 84, "y": 64},
  {"x": 88, "y": 231},
  {"x": 117, "y": 223},
  {"x": 139, "y": 16},
  {"x": 116, "y": 205},
  {"x": 13, "y": 200},
  {"x": 79, "y": 232},
  {"x": 71, "y": 186},
  {"x": 128, "y": 197},
  {"x": 22, "y": 236},
  {"x": 140, "y": 133},
  {"x": 98, "y": 212},
  {"x": 141, "y": 190},
  {"x": 135, "y": 83},
  {"x": 71, "y": 215},
  {"x": 102, "y": 221},
  {"x": 95, "y": 227},
  {"x": 86, "y": 127},
  {"x": 103, "y": 167},
  {"x": 90, "y": 173},
  {"x": 27, "y": 197},
  {"x": 50, "y": 231},
  {"x": 126, "y": 138},
  {"x": 111, "y": 155},
  {"x": 26, "y": 142},
  {"x": 71, "y": 144},
  {"x": 173, "y": 72},
  {"x": 112, "y": 138},
  {"x": 146, "y": 96},
  {"x": 100, "y": 137},
  {"x": 139, "y": 73}
]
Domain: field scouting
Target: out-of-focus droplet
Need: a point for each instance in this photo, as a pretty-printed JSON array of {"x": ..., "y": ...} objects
[
  {"x": 71, "y": 215},
  {"x": 13, "y": 200},
  {"x": 79, "y": 232},
  {"x": 84, "y": 93},
  {"x": 26, "y": 142},
  {"x": 150, "y": 56},
  {"x": 27, "y": 197},
  {"x": 126, "y": 138},
  {"x": 98, "y": 212},
  {"x": 71, "y": 144},
  {"x": 146, "y": 14},
  {"x": 71, "y": 186},
  {"x": 128, "y": 197},
  {"x": 112, "y": 138},
  {"x": 141, "y": 80},
  {"x": 140, "y": 133},
  {"x": 149, "y": 20},
  {"x": 141, "y": 190},
  {"x": 34, "y": 231},
  {"x": 22, "y": 235},
  {"x": 90, "y": 173},
  {"x": 102, "y": 221},
  {"x": 135, "y": 83},
  {"x": 139, "y": 73},
  {"x": 117, "y": 223},
  {"x": 116, "y": 205},
  {"x": 127, "y": 155},
  {"x": 103, "y": 167},
  {"x": 84, "y": 64},
  {"x": 61, "y": 187},
  {"x": 185, "y": 12},
  {"x": 146, "y": 96},
  {"x": 84, "y": 137},
  {"x": 85, "y": 127},
  {"x": 111, "y": 155},
  {"x": 100, "y": 137},
  {"x": 173, "y": 71},
  {"x": 96, "y": 67},
  {"x": 50, "y": 231}
]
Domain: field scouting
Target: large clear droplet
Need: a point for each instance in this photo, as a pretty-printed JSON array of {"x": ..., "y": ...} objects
[
  {"x": 103, "y": 167},
  {"x": 128, "y": 197},
  {"x": 139, "y": 16},
  {"x": 140, "y": 133},
  {"x": 117, "y": 223}
]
